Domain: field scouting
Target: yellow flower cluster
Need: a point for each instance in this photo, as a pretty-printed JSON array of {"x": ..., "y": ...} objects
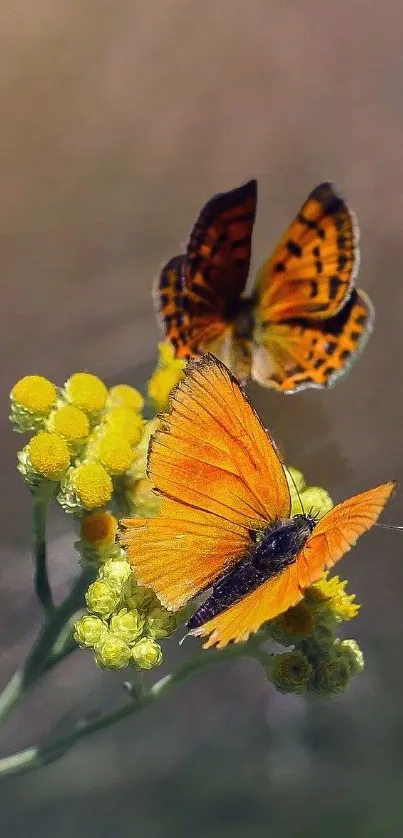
[
  {"x": 86, "y": 438},
  {"x": 167, "y": 373}
]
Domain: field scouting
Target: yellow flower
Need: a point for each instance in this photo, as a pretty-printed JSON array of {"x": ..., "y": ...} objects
[
  {"x": 168, "y": 372},
  {"x": 139, "y": 467},
  {"x": 126, "y": 423},
  {"x": 32, "y": 398},
  {"x": 143, "y": 500},
  {"x": 71, "y": 422},
  {"x": 86, "y": 391},
  {"x": 115, "y": 453},
  {"x": 316, "y": 501},
  {"x": 87, "y": 486},
  {"x": 116, "y": 572},
  {"x": 48, "y": 455},
  {"x": 122, "y": 395},
  {"x": 330, "y": 594},
  {"x": 99, "y": 528}
]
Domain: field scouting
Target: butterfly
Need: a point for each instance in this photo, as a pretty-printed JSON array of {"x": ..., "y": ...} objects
[
  {"x": 304, "y": 324},
  {"x": 224, "y": 521}
]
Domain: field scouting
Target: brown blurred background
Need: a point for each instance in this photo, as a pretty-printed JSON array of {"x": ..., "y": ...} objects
[{"x": 118, "y": 121}]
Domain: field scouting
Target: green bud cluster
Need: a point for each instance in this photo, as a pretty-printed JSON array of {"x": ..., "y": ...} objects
[{"x": 124, "y": 622}]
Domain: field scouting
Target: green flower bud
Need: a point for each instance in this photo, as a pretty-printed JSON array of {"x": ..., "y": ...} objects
[
  {"x": 146, "y": 654},
  {"x": 331, "y": 677},
  {"x": 295, "y": 624},
  {"x": 102, "y": 598},
  {"x": 127, "y": 624},
  {"x": 112, "y": 652},
  {"x": 135, "y": 596},
  {"x": 89, "y": 630},
  {"x": 160, "y": 622},
  {"x": 351, "y": 653},
  {"x": 290, "y": 672},
  {"x": 116, "y": 572},
  {"x": 316, "y": 501}
]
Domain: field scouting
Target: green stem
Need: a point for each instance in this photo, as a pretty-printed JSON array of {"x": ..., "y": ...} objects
[
  {"x": 37, "y": 756},
  {"x": 41, "y": 579},
  {"x": 40, "y": 658}
]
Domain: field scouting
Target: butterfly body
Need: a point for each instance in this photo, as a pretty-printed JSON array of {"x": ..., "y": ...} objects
[
  {"x": 304, "y": 298},
  {"x": 271, "y": 551}
]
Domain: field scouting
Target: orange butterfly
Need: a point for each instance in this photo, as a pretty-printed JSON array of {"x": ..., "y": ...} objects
[
  {"x": 225, "y": 514},
  {"x": 303, "y": 326}
]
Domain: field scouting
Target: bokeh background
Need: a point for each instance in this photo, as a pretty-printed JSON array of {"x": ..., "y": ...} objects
[{"x": 118, "y": 121}]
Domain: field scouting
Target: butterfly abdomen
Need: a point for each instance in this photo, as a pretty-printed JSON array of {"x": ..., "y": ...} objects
[{"x": 270, "y": 552}]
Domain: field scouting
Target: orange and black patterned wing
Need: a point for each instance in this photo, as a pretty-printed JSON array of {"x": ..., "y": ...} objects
[
  {"x": 338, "y": 531},
  {"x": 217, "y": 263},
  {"x": 220, "y": 477},
  {"x": 333, "y": 536},
  {"x": 168, "y": 297},
  {"x": 307, "y": 353},
  {"x": 312, "y": 271}
]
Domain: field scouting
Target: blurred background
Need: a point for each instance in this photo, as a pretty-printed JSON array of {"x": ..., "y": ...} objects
[{"x": 118, "y": 121}]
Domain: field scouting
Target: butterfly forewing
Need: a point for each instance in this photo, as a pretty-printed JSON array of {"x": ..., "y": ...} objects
[{"x": 313, "y": 269}]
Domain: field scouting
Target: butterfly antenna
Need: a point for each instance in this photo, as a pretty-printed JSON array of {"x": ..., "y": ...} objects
[
  {"x": 295, "y": 487},
  {"x": 389, "y": 526}
]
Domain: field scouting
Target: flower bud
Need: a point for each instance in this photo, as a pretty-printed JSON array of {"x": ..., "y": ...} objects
[
  {"x": 112, "y": 652},
  {"x": 290, "y": 672},
  {"x": 160, "y": 622},
  {"x": 127, "y": 624},
  {"x": 89, "y": 630},
  {"x": 102, "y": 598},
  {"x": 146, "y": 654}
]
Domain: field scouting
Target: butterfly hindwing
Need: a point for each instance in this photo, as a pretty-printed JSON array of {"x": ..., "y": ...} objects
[
  {"x": 298, "y": 354},
  {"x": 313, "y": 269},
  {"x": 168, "y": 297},
  {"x": 338, "y": 531}
]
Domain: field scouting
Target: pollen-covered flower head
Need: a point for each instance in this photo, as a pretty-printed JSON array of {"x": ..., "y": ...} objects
[
  {"x": 70, "y": 422},
  {"x": 168, "y": 372},
  {"x": 125, "y": 422},
  {"x": 86, "y": 391},
  {"x": 32, "y": 398},
  {"x": 46, "y": 458},
  {"x": 123, "y": 395},
  {"x": 87, "y": 486},
  {"x": 114, "y": 452}
]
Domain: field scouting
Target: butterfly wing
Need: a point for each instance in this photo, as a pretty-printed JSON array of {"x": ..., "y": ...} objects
[
  {"x": 220, "y": 477},
  {"x": 298, "y": 354},
  {"x": 217, "y": 263},
  {"x": 168, "y": 299},
  {"x": 313, "y": 269},
  {"x": 332, "y": 537},
  {"x": 338, "y": 531}
]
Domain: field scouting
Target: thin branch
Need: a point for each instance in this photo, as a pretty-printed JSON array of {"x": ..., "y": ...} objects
[
  {"x": 37, "y": 756},
  {"x": 41, "y": 579}
]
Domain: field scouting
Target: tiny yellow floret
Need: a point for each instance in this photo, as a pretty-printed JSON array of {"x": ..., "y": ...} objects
[
  {"x": 125, "y": 422},
  {"x": 115, "y": 453},
  {"x": 70, "y": 422},
  {"x": 93, "y": 485},
  {"x": 123, "y": 395},
  {"x": 86, "y": 391},
  {"x": 49, "y": 455},
  {"x": 35, "y": 394},
  {"x": 99, "y": 528}
]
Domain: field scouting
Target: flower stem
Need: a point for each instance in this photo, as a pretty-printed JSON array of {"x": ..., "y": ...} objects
[
  {"x": 37, "y": 756},
  {"x": 41, "y": 579},
  {"x": 41, "y": 656}
]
